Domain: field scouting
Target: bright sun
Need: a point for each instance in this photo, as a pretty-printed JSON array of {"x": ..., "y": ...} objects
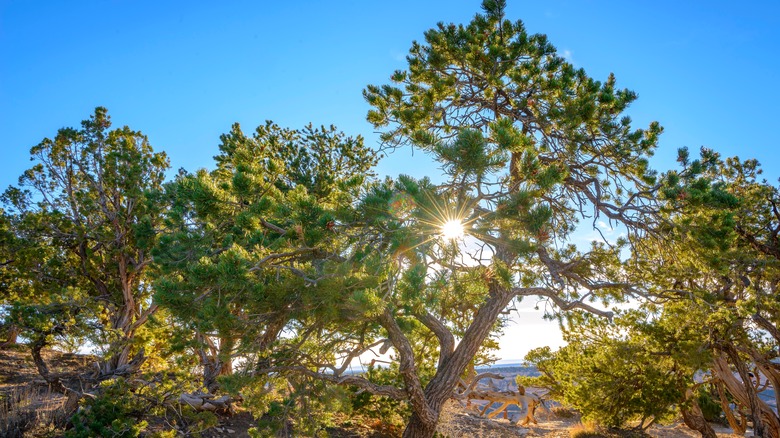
[{"x": 452, "y": 229}]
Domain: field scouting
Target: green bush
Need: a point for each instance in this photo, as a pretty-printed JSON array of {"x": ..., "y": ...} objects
[
  {"x": 116, "y": 412},
  {"x": 710, "y": 406},
  {"x": 612, "y": 379}
]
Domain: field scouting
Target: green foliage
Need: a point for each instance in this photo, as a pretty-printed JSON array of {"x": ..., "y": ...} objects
[
  {"x": 123, "y": 408},
  {"x": 611, "y": 374},
  {"x": 193, "y": 422},
  {"x": 707, "y": 400},
  {"x": 392, "y": 413},
  {"x": 308, "y": 408},
  {"x": 83, "y": 222},
  {"x": 259, "y": 244},
  {"x": 115, "y": 412}
]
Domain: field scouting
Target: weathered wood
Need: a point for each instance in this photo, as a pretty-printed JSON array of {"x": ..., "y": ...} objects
[
  {"x": 527, "y": 402},
  {"x": 694, "y": 418},
  {"x": 765, "y": 421},
  {"x": 738, "y": 426},
  {"x": 127, "y": 368},
  {"x": 209, "y": 402}
]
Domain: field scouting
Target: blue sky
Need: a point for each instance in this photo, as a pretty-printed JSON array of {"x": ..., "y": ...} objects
[{"x": 183, "y": 72}]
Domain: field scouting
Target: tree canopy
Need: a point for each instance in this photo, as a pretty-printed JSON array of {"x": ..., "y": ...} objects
[
  {"x": 529, "y": 146},
  {"x": 290, "y": 261}
]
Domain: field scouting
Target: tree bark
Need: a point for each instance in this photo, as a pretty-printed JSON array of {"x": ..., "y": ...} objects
[
  {"x": 118, "y": 365},
  {"x": 424, "y": 415},
  {"x": 694, "y": 418},
  {"x": 126, "y": 322},
  {"x": 443, "y": 384},
  {"x": 12, "y": 336},
  {"x": 737, "y": 426},
  {"x": 765, "y": 421},
  {"x": 418, "y": 428},
  {"x": 771, "y": 370},
  {"x": 213, "y": 367}
]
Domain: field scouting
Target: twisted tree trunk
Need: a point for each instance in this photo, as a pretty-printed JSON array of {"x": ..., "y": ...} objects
[
  {"x": 738, "y": 426},
  {"x": 443, "y": 384},
  {"x": 120, "y": 360},
  {"x": 216, "y": 361},
  {"x": 694, "y": 418},
  {"x": 765, "y": 421},
  {"x": 43, "y": 369}
]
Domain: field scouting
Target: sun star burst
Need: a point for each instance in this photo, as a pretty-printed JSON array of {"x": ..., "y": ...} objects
[{"x": 452, "y": 229}]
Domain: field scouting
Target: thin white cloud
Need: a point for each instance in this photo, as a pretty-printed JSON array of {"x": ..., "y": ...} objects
[{"x": 568, "y": 55}]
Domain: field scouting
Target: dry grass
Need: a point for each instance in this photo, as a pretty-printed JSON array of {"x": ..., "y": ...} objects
[
  {"x": 29, "y": 410},
  {"x": 586, "y": 430}
]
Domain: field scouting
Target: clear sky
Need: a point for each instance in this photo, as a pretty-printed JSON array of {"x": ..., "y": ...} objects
[{"x": 183, "y": 71}]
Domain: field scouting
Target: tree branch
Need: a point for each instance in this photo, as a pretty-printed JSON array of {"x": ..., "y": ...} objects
[
  {"x": 407, "y": 367},
  {"x": 362, "y": 383},
  {"x": 560, "y": 302},
  {"x": 443, "y": 334}
]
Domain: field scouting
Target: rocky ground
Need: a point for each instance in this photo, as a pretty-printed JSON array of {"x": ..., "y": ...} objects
[{"x": 459, "y": 421}]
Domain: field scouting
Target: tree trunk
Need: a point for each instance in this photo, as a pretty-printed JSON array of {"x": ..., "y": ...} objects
[
  {"x": 118, "y": 365},
  {"x": 771, "y": 370},
  {"x": 694, "y": 418},
  {"x": 12, "y": 336},
  {"x": 125, "y": 323},
  {"x": 417, "y": 428},
  {"x": 738, "y": 427},
  {"x": 54, "y": 382},
  {"x": 765, "y": 421},
  {"x": 216, "y": 359},
  {"x": 447, "y": 377},
  {"x": 213, "y": 367}
]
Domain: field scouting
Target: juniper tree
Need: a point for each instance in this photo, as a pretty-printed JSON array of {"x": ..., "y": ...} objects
[
  {"x": 529, "y": 146},
  {"x": 88, "y": 225}
]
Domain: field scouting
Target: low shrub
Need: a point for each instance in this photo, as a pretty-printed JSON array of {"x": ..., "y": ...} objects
[{"x": 115, "y": 412}]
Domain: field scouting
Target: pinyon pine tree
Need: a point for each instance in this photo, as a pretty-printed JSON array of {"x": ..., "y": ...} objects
[
  {"x": 529, "y": 146},
  {"x": 250, "y": 242}
]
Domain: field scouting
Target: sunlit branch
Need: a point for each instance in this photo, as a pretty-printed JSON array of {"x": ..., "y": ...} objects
[{"x": 561, "y": 303}]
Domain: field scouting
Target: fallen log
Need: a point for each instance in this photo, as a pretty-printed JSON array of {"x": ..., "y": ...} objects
[
  {"x": 528, "y": 402},
  {"x": 199, "y": 401}
]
